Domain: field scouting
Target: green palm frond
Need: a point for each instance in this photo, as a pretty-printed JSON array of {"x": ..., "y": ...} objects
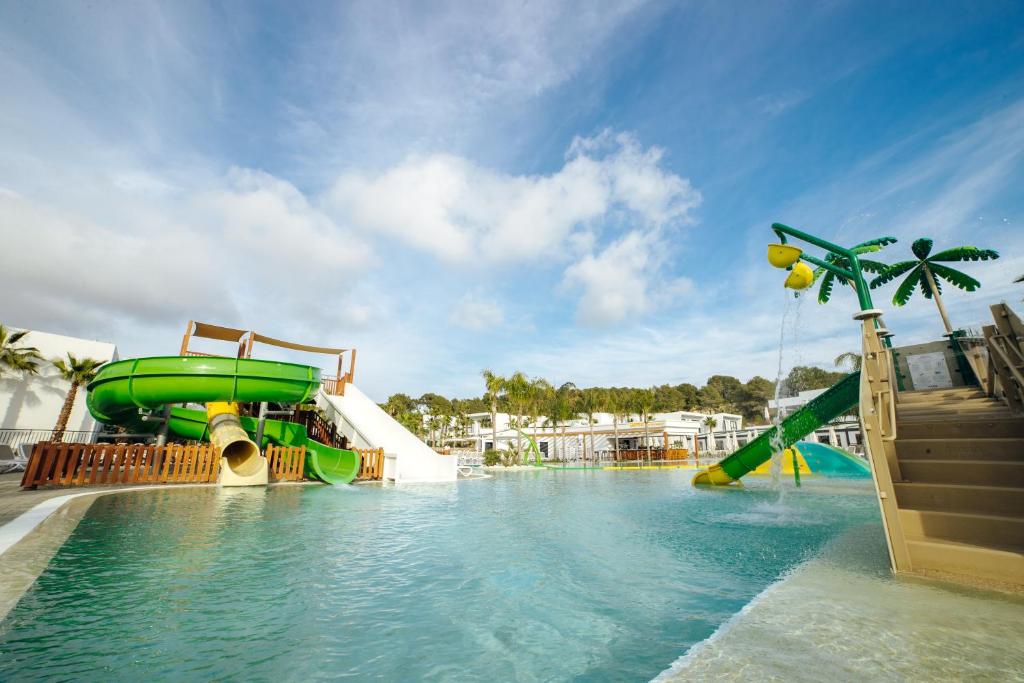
[
  {"x": 906, "y": 288},
  {"x": 965, "y": 254},
  {"x": 926, "y": 291},
  {"x": 954, "y": 277},
  {"x": 825, "y": 290},
  {"x": 877, "y": 243},
  {"x": 873, "y": 266},
  {"x": 922, "y": 247},
  {"x": 892, "y": 272}
]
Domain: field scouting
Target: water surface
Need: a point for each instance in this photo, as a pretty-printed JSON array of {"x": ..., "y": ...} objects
[{"x": 531, "y": 576}]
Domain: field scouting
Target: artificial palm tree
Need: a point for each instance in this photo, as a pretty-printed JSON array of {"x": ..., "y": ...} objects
[
  {"x": 495, "y": 387},
  {"x": 15, "y": 357},
  {"x": 77, "y": 371},
  {"x": 927, "y": 271},
  {"x": 827, "y": 279}
]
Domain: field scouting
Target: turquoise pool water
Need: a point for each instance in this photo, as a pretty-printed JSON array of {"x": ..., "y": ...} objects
[{"x": 533, "y": 576}]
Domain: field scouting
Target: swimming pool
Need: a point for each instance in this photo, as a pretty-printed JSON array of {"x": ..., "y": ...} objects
[{"x": 569, "y": 575}]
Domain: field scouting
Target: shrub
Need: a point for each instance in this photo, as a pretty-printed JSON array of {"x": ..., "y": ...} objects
[{"x": 492, "y": 457}]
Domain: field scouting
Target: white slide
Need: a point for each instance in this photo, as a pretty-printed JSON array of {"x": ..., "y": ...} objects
[{"x": 367, "y": 426}]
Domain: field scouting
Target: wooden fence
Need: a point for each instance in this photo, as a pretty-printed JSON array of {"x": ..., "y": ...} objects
[
  {"x": 88, "y": 464},
  {"x": 655, "y": 454},
  {"x": 83, "y": 464},
  {"x": 286, "y": 463},
  {"x": 371, "y": 465}
]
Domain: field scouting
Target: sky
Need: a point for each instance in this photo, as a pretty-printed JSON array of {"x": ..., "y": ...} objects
[{"x": 580, "y": 191}]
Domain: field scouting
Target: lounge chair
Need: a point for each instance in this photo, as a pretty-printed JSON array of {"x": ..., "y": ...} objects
[{"x": 9, "y": 462}]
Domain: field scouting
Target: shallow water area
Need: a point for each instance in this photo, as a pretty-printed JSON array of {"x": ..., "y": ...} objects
[{"x": 575, "y": 575}]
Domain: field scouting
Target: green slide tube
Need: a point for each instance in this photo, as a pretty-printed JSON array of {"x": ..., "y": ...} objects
[
  {"x": 840, "y": 398},
  {"x": 120, "y": 390}
]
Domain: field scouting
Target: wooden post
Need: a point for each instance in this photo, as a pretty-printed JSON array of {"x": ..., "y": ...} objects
[{"x": 185, "y": 339}]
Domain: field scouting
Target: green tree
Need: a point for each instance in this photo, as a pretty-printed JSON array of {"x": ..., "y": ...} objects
[
  {"x": 494, "y": 388},
  {"x": 710, "y": 398},
  {"x": 827, "y": 279},
  {"x": 15, "y": 357},
  {"x": 517, "y": 391},
  {"x": 643, "y": 403},
  {"x": 586, "y": 406},
  {"x": 77, "y": 371},
  {"x": 806, "y": 377},
  {"x": 755, "y": 396},
  {"x": 927, "y": 271}
]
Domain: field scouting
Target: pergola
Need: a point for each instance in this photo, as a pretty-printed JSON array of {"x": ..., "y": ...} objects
[{"x": 246, "y": 339}]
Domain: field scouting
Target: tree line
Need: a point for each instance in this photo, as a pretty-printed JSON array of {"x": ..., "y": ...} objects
[{"x": 437, "y": 418}]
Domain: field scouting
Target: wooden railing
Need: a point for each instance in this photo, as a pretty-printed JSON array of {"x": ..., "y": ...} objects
[
  {"x": 1005, "y": 343},
  {"x": 371, "y": 465},
  {"x": 285, "y": 463},
  {"x": 319, "y": 429},
  {"x": 81, "y": 464},
  {"x": 655, "y": 454}
]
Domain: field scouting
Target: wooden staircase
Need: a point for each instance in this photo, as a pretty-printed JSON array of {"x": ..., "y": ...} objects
[{"x": 960, "y": 484}]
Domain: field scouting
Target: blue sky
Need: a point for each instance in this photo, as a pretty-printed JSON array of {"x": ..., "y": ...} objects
[{"x": 581, "y": 191}]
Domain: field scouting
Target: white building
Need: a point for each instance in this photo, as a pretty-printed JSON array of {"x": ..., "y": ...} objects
[
  {"x": 30, "y": 404},
  {"x": 791, "y": 404},
  {"x": 675, "y": 430}
]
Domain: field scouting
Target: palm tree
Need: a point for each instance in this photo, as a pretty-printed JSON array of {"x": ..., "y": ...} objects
[
  {"x": 613, "y": 404},
  {"x": 517, "y": 390},
  {"x": 77, "y": 371},
  {"x": 17, "y": 358},
  {"x": 560, "y": 402},
  {"x": 495, "y": 385},
  {"x": 828, "y": 279},
  {"x": 851, "y": 358},
  {"x": 538, "y": 392},
  {"x": 587, "y": 406},
  {"x": 643, "y": 403},
  {"x": 927, "y": 271}
]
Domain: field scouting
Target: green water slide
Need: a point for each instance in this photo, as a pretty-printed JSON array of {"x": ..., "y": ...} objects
[
  {"x": 122, "y": 389},
  {"x": 840, "y": 398}
]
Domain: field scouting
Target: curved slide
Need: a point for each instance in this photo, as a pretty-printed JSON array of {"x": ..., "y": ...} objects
[
  {"x": 843, "y": 396},
  {"x": 120, "y": 390}
]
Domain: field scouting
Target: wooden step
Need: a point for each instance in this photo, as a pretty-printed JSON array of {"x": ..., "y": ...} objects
[
  {"x": 932, "y": 395},
  {"x": 991, "y": 531},
  {"x": 968, "y": 407},
  {"x": 985, "y": 500},
  {"x": 1006, "y": 449},
  {"x": 960, "y": 428},
  {"x": 965, "y": 559},
  {"x": 977, "y": 473}
]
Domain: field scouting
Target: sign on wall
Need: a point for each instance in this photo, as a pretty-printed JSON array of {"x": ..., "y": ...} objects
[{"x": 929, "y": 371}]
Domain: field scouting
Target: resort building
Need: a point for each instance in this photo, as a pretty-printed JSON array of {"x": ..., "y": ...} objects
[
  {"x": 693, "y": 431},
  {"x": 674, "y": 430},
  {"x": 30, "y": 404}
]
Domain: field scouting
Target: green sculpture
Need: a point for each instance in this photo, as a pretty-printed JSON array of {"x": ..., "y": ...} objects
[
  {"x": 828, "y": 278},
  {"x": 927, "y": 272}
]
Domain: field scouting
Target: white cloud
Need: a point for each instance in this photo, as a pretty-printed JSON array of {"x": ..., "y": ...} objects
[{"x": 477, "y": 312}]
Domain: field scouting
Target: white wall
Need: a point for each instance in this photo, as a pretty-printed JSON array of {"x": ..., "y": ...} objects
[{"x": 34, "y": 402}]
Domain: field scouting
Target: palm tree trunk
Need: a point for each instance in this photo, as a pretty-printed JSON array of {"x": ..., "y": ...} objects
[
  {"x": 494, "y": 424},
  {"x": 647, "y": 438},
  {"x": 65, "y": 414},
  {"x": 592, "y": 451},
  {"x": 615, "y": 426},
  {"x": 938, "y": 297}
]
